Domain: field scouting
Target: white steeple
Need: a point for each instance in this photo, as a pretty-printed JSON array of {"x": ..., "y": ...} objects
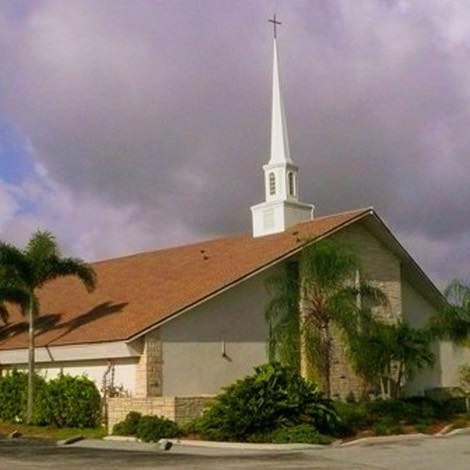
[
  {"x": 281, "y": 207},
  {"x": 280, "y": 152}
]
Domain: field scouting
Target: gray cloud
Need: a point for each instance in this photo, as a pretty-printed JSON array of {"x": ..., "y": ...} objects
[{"x": 164, "y": 107}]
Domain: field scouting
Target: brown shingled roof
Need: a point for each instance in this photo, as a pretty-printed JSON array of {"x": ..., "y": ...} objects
[{"x": 139, "y": 291}]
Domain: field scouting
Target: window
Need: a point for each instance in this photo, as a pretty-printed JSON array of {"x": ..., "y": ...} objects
[
  {"x": 291, "y": 183},
  {"x": 272, "y": 184}
]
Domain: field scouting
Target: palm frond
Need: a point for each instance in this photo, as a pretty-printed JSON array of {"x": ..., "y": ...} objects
[
  {"x": 15, "y": 295},
  {"x": 457, "y": 293},
  {"x": 452, "y": 323},
  {"x": 328, "y": 264},
  {"x": 55, "y": 267},
  {"x": 14, "y": 263},
  {"x": 42, "y": 245}
]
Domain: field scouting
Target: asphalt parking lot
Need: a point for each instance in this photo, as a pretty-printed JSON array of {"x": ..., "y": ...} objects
[{"x": 445, "y": 453}]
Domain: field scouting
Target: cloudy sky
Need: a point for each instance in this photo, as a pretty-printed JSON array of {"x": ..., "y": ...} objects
[{"x": 127, "y": 125}]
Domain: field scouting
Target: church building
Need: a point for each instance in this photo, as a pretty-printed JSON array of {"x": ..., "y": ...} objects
[{"x": 168, "y": 329}]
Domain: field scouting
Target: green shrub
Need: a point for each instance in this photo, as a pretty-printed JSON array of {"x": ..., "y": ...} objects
[
  {"x": 454, "y": 406},
  {"x": 68, "y": 401},
  {"x": 301, "y": 434},
  {"x": 273, "y": 397},
  {"x": 421, "y": 427},
  {"x": 154, "y": 428},
  {"x": 392, "y": 410},
  {"x": 13, "y": 393},
  {"x": 353, "y": 417},
  {"x": 190, "y": 427},
  {"x": 128, "y": 427},
  {"x": 387, "y": 427}
]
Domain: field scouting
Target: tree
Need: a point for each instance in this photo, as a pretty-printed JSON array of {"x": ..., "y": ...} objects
[
  {"x": 23, "y": 272},
  {"x": 411, "y": 351},
  {"x": 387, "y": 355},
  {"x": 306, "y": 306},
  {"x": 452, "y": 323},
  {"x": 369, "y": 350}
]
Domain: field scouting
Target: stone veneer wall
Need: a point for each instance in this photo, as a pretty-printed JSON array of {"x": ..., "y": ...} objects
[
  {"x": 148, "y": 379},
  {"x": 382, "y": 269},
  {"x": 179, "y": 409}
]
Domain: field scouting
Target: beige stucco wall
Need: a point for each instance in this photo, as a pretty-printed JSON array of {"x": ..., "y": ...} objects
[
  {"x": 452, "y": 357},
  {"x": 193, "y": 344},
  {"x": 448, "y": 356},
  {"x": 124, "y": 370}
]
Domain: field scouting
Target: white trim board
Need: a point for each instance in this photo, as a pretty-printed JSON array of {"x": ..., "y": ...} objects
[{"x": 73, "y": 352}]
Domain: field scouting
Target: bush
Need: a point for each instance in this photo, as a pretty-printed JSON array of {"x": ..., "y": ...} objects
[
  {"x": 154, "y": 428},
  {"x": 301, "y": 434},
  {"x": 421, "y": 428},
  {"x": 417, "y": 411},
  {"x": 13, "y": 396},
  {"x": 273, "y": 397},
  {"x": 410, "y": 410},
  {"x": 68, "y": 401},
  {"x": 387, "y": 427},
  {"x": 128, "y": 427},
  {"x": 353, "y": 417}
]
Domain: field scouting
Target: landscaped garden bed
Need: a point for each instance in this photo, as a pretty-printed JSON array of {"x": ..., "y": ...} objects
[{"x": 275, "y": 405}]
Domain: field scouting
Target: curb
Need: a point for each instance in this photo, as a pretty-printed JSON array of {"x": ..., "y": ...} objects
[
  {"x": 386, "y": 439},
  {"x": 458, "y": 432},
  {"x": 242, "y": 445},
  {"x": 70, "y": 440},
  {"x": 446, "y": 432},
  {"x": 121, "y": 438}
]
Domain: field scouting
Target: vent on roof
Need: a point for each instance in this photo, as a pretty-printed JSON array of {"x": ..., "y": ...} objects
[
  {"x": 204, "y": 255},
  {"x": 295, "y": 234}
]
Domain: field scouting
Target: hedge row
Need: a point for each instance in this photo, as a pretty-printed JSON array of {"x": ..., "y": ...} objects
[{"x": 64, "y": 401}]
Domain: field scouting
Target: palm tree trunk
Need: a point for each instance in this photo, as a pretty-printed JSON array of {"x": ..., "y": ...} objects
[
  {"x": 29, "y": 405},
  {"x": 328, "y": 354},
  {"x": 304, "y": 368},
  {"x": 382, "y": 388}
]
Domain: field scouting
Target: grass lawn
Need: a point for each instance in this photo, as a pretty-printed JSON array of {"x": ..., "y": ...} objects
[{"x": 50, "y": 432}]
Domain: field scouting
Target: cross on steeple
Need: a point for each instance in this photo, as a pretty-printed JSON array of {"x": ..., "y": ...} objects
[{"x": 274, "y": 21}]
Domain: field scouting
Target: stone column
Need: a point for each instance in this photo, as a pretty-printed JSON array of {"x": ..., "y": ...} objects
[{"x": 149, "y": 367}]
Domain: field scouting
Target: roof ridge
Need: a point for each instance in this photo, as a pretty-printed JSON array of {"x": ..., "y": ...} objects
[
  {"x": 336, "y": 214},
  {"x": 227, "y": 237}
]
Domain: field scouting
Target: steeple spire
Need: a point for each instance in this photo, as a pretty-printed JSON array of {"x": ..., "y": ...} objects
[
  {"x": 281, "y": 207},
  {"x": 280, "y": 152}
]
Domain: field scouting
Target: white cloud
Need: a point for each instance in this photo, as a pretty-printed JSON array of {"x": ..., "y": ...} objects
[{"x": 85, "y": 225}]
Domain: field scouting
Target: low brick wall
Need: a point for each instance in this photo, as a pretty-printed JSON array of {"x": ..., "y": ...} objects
[{"x": 179, "y": 409}]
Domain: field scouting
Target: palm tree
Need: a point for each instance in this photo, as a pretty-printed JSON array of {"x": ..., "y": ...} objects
[
  {"x": 325, "y": 295},
  {"x": 24, "y": 271},
  {"x": 387, "y": 355},
  {"x": 411, "y": 351},
  {"x": 453, "y": 322}
]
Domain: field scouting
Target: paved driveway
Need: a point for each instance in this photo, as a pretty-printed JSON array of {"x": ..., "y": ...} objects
[{"x": 446, "y": 453}]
